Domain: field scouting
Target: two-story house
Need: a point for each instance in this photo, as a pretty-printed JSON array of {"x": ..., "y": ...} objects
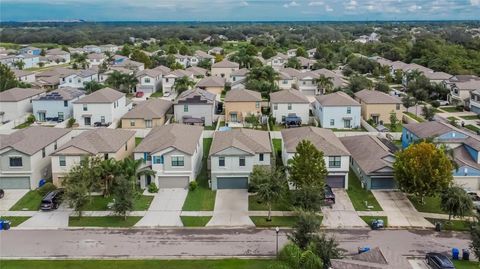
[
  {"x": 378, "y": 106},
  {"x": 149, "y": 80},
  {"x": 238, "y": 76},
  {"x": 58, "y": 55},
  {"x": 278, "y": 61},
  {"x": 195, "y": 107},
  {"x": 240, "y": 103},
  {"x": 289, "y": 103},
  {"x": 233, "y": 155},
  {"x": 168, "y": 80},
  {"x": 460, "y": 88},
  {"x": 29, "y": 61},
  {"x": 24, "y": 76},
  {"x": 338, "y": 111},
  {"x": 56, "y": 105},
  {"x": 215, "y": 85},
  {"x": 336, "y": 156},
  {"x": 224, "y": 69},
  {"x": 80, "y": 78},
  {"x": 95, "y": 59},
  {"x": 174, "y": 152},
  {"x": 103, "y": 143},
  {"x": 103, "y": 106},
  {"x": 25, "y": 156},
  {"x": 147, "y": 114},
  {"x": 17, "y": 102}
]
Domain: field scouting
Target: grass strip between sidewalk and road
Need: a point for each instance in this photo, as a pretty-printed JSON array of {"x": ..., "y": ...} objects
[
  {"x": 453, "y": 225},
  {"x": 107, "y": 221},
  {"x": 193, "y": 221},
  {"x": 14, "y": 221},
  {"x": 280, "y": 221}
]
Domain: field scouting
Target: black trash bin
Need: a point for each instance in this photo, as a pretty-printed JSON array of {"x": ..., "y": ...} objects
[
  {"x": 465, "y": 254},
  {"x": 6, "y": 225},
  {"x": 438, "y": 226}
]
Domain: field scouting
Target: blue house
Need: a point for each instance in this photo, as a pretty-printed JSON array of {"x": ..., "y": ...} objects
[
  {"x": 30, "y": 50},
  {"x": 56, "y": 105}
]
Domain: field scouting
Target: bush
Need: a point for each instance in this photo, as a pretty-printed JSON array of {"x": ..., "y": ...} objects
[
  {"x": 46, "y": 188},
  {"x": 31, "y": 119},
  {"x": 152, "y": 188},
  {"x": 70, "y": 122},
  {"x": 460, "y": 108},
  {"x": 192, "y": 186},
  {"x": 435, "y": 104}
]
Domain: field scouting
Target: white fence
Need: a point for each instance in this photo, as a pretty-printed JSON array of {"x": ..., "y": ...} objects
[{"x": 9, "y": 127}]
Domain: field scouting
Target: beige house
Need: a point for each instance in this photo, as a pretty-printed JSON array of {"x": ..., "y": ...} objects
[
  {"x": 224, "y": 69},
  {"x": 102, "y": 142},
  {"x": 148, "y": 114},
  {"x": 240, "y": 103},
  {"x": 214, "y": 85},
  {"x": 378, "y": 106}
]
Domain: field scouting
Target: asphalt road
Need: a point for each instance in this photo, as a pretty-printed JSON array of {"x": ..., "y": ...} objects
[{"x": 204, "y": 243}]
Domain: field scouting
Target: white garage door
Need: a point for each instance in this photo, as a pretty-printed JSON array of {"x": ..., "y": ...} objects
[{"x": 173, "y": 182}]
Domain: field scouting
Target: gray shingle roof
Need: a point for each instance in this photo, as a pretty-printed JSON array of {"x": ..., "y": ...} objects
[
  {"x": 32, "y": 139},
  {"x": 18, "y": 94},
  {"x": 153, "y": 108},
  {"x": 225, "y": 64},
  {"x": 105, "y": 95},
  {"x": 376, "y": 97},
  {"x": 251, "y": 141},
  {"x": 197, "y": 71},
  {"x": 288, "y": 96},
  {"x": 323, "y": 139},
  {"x": 182, "y": 137},
  {"x": 211, "y": 82},
  {"x": 336, "y": 99},
  {"x": 428, "y": 129},
  {"x": 242, "y": 95},
  {"x": 196, "y": 96}
]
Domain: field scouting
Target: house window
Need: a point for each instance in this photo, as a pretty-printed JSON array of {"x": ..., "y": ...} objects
[
  {"x": 398, "y": 106},
  {"x": 85, "y": 107},
  {"x": 275, "y": 106},
  {"x": 132, "y": 123},
  {"x": 332, "y": 122},
  {"x": 334, "y": 161},
  {"x": 260, "y": 157},
  {"x": 43, "y": 153},
  {"x": 221, "y": 161},
  {"x": 289, "y": 106},
  {"x": 166, "y": 80},
  {"x": 102, "y": 119},
  {"x": 62, "y": 161},
  {"x": 65, "y": 103},
  {"x": 147, "y": 80},
  {"x": 257, "y": 104},
  {"x": 185, "y": 108},
  {"x": 178, "y": 161},
  {"x": 241, "y": 161},
  {"x": 16, "y": 162},
  {"x": 147, "y": 157},
  {"x": 285, "y": 81},
  {"x": 158, "y": 159},
  {"x": 349, "y": 110},
  {"x": 148, "y": 123}
]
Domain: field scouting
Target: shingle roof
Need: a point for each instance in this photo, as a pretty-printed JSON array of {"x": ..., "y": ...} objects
[
  {"x": 32, "y": 139},
  {"x": 288, "y": 96},
  {"x": 165, "y": 70},
  {"x": 105, "y": 95},
  {"x": 64, "y": 93},
  {"x": 211, "y": 82},
  {"x": 462, "y": 157},
  {"x": 368, "y": 152},
  {"x": 149, "y": 72},
  {"x": 96, "y": 56},
  {"x": 196, "y": 96},
  {"x": 240, "y": 72},
  {"x": 225, "y": 64},
  {"x": 21, "y": 73},
  {"x": 203, "y": 54},
  {"x": 428, "y": 129},
  {"x": 152, "y": 108},
  {"x": 376, "y": 97},
  {"x": 182, "y": 137},
  {"x": 336, "y": 99},
  {"x": 18, "y": 94},
  {"x": 242, "y": 96},
  {"x": 248, "y": 140},
  {"x": 101, "y": 140},
  {"x": 197, "y": 71},
  {"x": 323, "y": 139},
  {"x": 56, "y": 52}
]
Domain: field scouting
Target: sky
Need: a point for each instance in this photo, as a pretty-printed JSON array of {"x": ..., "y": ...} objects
[{"x": 239, "y": 10}]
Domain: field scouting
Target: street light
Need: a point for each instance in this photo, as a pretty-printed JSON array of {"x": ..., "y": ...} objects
[{"x": 277, "y": 230}]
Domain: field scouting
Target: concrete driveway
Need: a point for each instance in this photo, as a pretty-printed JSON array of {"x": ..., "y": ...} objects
[
  {"x": 399, "y": 210},
  {"x": 49, "y": 220},
  {"x": 11, "y": 197},
  {"x": 165, "y": 209},
  {"x": 231, "y": 209},
  {"x": 342, "y": 214}
]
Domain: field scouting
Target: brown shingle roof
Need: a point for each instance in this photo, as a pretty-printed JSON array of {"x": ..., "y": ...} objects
[
  {"x": 225, "y": 64},
  {"x": 18, "y": 94},
  {"x": 376, "y": 97},
  {"x": 242, "y": 95},
  {"x": 336, "y": 99},
  {"x": 105, "y": 95},
  {"x": 251, "y": 141},
  {"x": 32, "y": 139},
  {"x": 196, "y": 96},
  {"x": 428, "y": 129},
  {"x": 211, "y": 82},
  {"x": 288, "y": 96},
  {"x": 182, "y": 137},
  {"x": 153, "y": 108},
  {"x": 323, "y": 139}
]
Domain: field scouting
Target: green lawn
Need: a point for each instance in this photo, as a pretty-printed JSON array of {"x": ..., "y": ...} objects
[
  {"x": 451, "y": 109},
  {"x": 452, "y": 118},
  {"x": 398, "y": 127},
  {"x": 23, "y": 125},
  {"x": 453, "y": 225},
  {"x": 470, "y": 117},
  {"x": 430, "y": 205},
  {"x": 472, "y": 127},
  {"x": 195, "y": 221},
  {"x": 157, "y": 94},
  {"x": 368, "y": 219},
  {"x": 99, "y": 203},
  {"x": 207, "y": 143},
  {"x": 210, "y": 128},
  {"x": 358, "y": 195},
  {"x": 413, "y": 116},
  {"x": 139, "y": 264},
  {"x": 466, "y": 264},
  {"x": 285, "y": 221},
  {"x": 138, "y": 140},
  {"x": 109, "y": 221},
  {"x": 30, "y": 201},
  {"x": 277, "y": 148},
  {"x": 15, "y": 221},
  {"x": 255, "y": 205}
]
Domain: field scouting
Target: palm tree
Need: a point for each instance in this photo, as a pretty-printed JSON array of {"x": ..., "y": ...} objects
[
  {"x": 182, "y": 84},
  {"x": 110, "y": 170},
  {"x": 115, "y": 80},
  {"x": 129, "y": 81},
  {"x": 271, "y": 186},
  {"x": 19, "y": 64},
  {"x": 293, "y": 257},
  {"x": 131, "y": 170},
  {"x": 324, "y": 83},
  {"x": 80, "y": 59},
  {"x": 413, "y": 75}
]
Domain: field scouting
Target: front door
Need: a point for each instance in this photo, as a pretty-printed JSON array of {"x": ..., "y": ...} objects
[
  {"x": 233, "y": 117},
  {"x": 41, "y": 116},
  {"x": 87, "y": 121},
  {"x": 375, "y": 119},
  {"x": 346, "y": 123},
  {"x": 60, "y": 116}
]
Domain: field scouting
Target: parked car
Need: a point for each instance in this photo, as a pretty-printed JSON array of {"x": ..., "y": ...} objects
[
  {"x": 101, "y": 124},
  {"x": 139, "y": 94},
  {"x": 52, "y": 200},
  {"x": 329, "y": 195},
  {"x": 443, "y": 102},
  {"x": 2, "y": 193},
  {"x": 438, "y": 261},
  {"x": 292, "y": 120},
  {"x": 475, "y": 199}
]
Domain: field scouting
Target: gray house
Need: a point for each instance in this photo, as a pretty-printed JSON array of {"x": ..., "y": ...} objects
[{"x": 195, "y": 107}]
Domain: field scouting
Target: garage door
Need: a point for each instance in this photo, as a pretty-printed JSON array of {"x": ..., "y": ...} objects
[
  {"x": 336, "y": 181},
  {"x": 383, "y": 183},
  {"x": 173, "y": 182},
  {"x": 232, "y": 183},
  {"x": 14, "y": 183},
  {"x": 309, "y": 92}
]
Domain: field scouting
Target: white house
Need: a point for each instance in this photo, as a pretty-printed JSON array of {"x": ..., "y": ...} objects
[
  {"x": 24, "y": 76},
  {"x": 92, "y": 49},
  {"x": 30, "y": 61},
  {"x": 337, "y": 110},
  {"x": 336, "y": 156},
  {"x": 224, "y": 69},
  {"x": 168, "y": 81},
  {"x": 195, "y": 107},
  {"x": 56, "y": 105},
  {"x": 80, "y": 78},
  {"x": 25, "y": 156},
  {"x": 174, "y": 152},
  {"x": 289, "y": 103},
  {"x": 61, "y": 55},
  {"x": 278, "y": 61},
  {"x": 311, "y": 53},
  {"x": 149, "y": 80},
  {"x": 285, "y": 80},
  {"x": 95, "y": 59},
  {"x": 103, "y": 106},
  {"x": 17, "y": 102},
  {"x": 233, "y": 155}
]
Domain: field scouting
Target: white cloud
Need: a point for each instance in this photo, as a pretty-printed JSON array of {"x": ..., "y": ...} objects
[
  {"x": 317, "y": 3},
  {"x": 414, "y": 8},
  {"x": 291, "y": 4},
  {"x": 351, "y": 5},
  {"x": 475, "y": 2},
  {"x": 328, "y": 8}
]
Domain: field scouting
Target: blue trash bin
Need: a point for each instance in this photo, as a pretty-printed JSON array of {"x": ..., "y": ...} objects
[
  {"x": 42, "y": 182},
  {"x": 363, "y": 249},
  {"x": 1, "y": 224},
  {"x": 455, "y": 253}
]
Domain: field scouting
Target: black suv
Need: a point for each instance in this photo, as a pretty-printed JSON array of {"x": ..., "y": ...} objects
[
  {"x": 52, "y": 200},
  {"x": 439, "y": 261},
  {"x": 329, "y": 195}
]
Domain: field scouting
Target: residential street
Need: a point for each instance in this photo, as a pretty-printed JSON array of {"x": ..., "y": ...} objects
[{"x": 201, "y": 243}]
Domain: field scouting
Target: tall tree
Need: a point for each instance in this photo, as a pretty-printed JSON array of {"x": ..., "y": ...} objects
[
  {"x": 307, "y": 167},
  {"x": 7, "y": 78},
  {"x": 262, "y": 79},
  {"x": 423, "y": 169},
  {"x": 140, "y": 56},
  {"x": 19, "y": 64},
  {"x": 92, "y": 86},
  {"x": 294, "y": 257},
  {"x": 456, "y": 202},
  {"x": 270, "y": 184},
  {"x": 325, "y": 84},
  {"x": 293, "y": 62},
  {"x": 428, "y": 112},
  {"x": 301, "y": 52},
  {"x": 304, "y": 230},
  {"x": 124, "y": 196},
  {"x": 182, "y": 84},
  {"x": 268, "y": 52}
]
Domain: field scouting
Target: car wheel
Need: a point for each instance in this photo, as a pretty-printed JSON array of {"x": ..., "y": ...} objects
[{"x": 428, "y": 261}]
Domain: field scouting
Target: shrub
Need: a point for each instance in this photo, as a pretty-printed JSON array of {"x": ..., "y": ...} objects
[
  {"x": 192, "y": 185},
  {"x": 70, "y": 122},
  {"x": 435, "y": 103},
  {"x": 46, "y": 188},
  {"x": 460, "y": 108},
  {"x": 152, "y": 188},
  {"x": 31, "y": 119}
]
